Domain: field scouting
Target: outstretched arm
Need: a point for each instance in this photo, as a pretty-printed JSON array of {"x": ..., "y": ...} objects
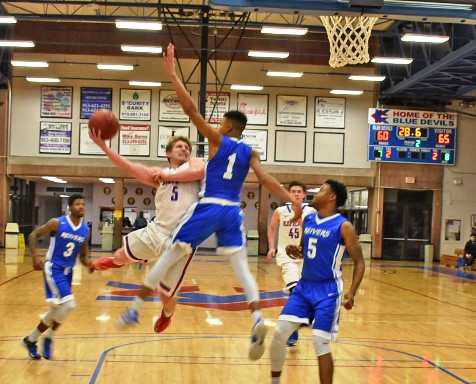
[
  {"x": 139, "y": 171},
  {"x": 213, "y": 136},
  {"x": 273, "y": 185},
  {"x": 195, "y": 171}
]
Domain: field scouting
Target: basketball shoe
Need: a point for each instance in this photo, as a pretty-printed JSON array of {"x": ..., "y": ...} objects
[
  {"x": 47, "y": 348},
  {"x": 31, "y": 348},
  {"x": 258, "y": 334},
  {"x": 162, "y": 322},
  {"x": 128, "y": 317}
]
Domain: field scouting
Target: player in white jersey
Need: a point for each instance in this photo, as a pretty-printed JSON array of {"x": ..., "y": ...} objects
[
  {"x": 289, "y": 233},
  {"x": 218, "y": 210},
  {"x": 319, "y": 293},
  {"x": 172, "y": 200},
  {"x": 69, "y": 238}
]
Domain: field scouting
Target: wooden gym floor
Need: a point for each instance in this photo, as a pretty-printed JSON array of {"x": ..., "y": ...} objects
[{"x": 413, "y": 323}]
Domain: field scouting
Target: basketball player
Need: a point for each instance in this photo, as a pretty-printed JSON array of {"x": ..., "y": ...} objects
[
  {"x": 319, "y": 293},
  {"x": 69, "y": 236},
  {"x": 172, "y": 200},
  {"x": 218, "y": 210},
  {"x": 289, "y": 234}
]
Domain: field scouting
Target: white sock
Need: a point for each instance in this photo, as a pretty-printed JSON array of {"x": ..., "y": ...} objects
[
  {"x": 168, "y": 314},
  {"x": 32, "y": 337},
  {"x": 137, "y": 303},
  {"x": 275, "y": 380},
  {"x": 255, "y": 316}
]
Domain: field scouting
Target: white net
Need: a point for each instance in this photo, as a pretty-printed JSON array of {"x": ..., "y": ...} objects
[{"x": 348, "y": 38}]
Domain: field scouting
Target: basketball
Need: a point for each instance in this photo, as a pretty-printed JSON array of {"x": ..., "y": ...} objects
[{"x": 105, "y": 122}]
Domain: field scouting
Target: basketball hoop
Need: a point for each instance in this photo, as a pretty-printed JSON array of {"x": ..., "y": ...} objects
[{"x": 348, "y": 39}]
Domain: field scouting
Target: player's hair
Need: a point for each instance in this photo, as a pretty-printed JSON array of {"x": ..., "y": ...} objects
[
  {"x": 174, "y": 139},
  {"x": 297, "y": 184},
  {"x": 473, "y": 234},
  {"x": 237, "y": 118},
  {"x": 339, "y": 190},
  {"x": 74, "y": 197}
]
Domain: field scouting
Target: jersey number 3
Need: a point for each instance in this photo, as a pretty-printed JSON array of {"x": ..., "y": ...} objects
[{"x": 69, "y": 249}]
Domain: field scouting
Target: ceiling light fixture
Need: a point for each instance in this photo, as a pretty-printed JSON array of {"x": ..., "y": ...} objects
[
  {"x": 346, "y": 92},
  {"x": 116, "y": 67},
  {"x": 32, "y": 64},
  {"x": 141, "y": 49},
  {"x": 269, "y": 54},
  {"x": 17, "y": 44},
  {"x": 145, "y": 83},
  {"x": 366, "y": 78},
  {"x": 42, "y": 79},
  {"x": 284, "y": 31},
  {"x": 392, "y": 60},
  {"x": 7, "y": 20},
  {"x": 142, "y": 25},
  {"x": 54, "y": 179},
  {"x": 246, "y": 87},
  {"x": 107, "y": 180},
  {"x": 284, "y": 74},
  {"x": 424, "y": 38}
]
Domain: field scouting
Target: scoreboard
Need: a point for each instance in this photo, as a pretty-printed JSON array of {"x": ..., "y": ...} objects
[{"x": 404, "y": 136}]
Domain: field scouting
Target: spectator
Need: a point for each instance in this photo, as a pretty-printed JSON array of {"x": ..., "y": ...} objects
[
  {"x": 470, "y": 251},
  {"x": 140, "y": 221},
  {"x": 126, "y": 222}
]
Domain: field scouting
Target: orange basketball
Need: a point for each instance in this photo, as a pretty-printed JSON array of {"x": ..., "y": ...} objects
[{"x": 105, "y": 122}]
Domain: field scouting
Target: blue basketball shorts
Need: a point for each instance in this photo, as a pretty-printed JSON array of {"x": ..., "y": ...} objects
[
  {"x": 318, "y": 301},
  {"x": 201, "y": 222},
  {"x": 58, "y": 281}
]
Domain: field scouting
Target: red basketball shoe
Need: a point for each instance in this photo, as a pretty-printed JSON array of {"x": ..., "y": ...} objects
[{"x": 162, "y": 322}]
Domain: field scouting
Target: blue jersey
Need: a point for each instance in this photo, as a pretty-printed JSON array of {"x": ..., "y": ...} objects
[
  {"x": 323, "y": 247},
  {"x": 227, "y": 170},
  {"x": 65, "y": 245}
]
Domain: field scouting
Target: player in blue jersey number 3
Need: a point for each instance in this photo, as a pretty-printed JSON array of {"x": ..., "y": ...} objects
[{"x": 69, "y": 237}]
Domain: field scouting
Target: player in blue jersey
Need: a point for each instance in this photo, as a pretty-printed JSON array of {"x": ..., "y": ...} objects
[
  {"x": 69, "y": 237},
  {"x": 218, "y": 210},
  {"x": 319, "y": 293}
]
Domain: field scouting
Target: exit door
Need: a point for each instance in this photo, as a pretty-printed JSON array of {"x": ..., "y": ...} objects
[{"x": 406, "y": 227}]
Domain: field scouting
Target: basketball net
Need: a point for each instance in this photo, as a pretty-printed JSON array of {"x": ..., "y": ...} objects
[{"x": 348, "y": 39}]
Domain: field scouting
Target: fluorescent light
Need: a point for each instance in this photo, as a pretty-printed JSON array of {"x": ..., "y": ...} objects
[
  {"x": 145, "y": 83},
  {"x": 116, "y": 67},
  {"x": 17, "y": 43},
  {"x": 142, "y": 25},
  {"x": 43, "y": 79},
  {"x": 367, "y": 78},
  {"x": 246, "y": 87},
  {"x": 107, "y": 180},
  {"x": 284, "y": 31},
  {"x": 7, "y": 20},
  {"x": 346, "y": 92},
  {"x": 276, "y": 55},
  {"x": 36, "y": 64},
  {"x": 424, "y": 38},
  {"x": 64, "y": 195},
  {"x": 392, "y": 60},
  {"x": 141, "y": 49},
  {"x": 313, "y": 190},
  {"x": 284, "y": 74},
  {"x": 54, "y": 179}
]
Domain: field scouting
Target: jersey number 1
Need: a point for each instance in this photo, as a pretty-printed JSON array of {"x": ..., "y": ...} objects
[{"x": 231, "y": 162}]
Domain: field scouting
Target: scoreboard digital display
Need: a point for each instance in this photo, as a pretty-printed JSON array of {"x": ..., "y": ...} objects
[{"x": 403, "y": 136}]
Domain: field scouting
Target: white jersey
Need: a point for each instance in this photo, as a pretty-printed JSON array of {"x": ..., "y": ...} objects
[
  {"x": 290, "y": 233},
  {"x": 173, "y": 199}
]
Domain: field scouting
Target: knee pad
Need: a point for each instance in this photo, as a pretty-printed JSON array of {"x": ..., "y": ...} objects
[
  {"x": 321, "y": 345},
  {"x": 63, "y": 310}
]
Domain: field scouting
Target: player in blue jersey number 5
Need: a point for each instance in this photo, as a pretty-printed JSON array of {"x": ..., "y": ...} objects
[{"x": 318, "y": 296}]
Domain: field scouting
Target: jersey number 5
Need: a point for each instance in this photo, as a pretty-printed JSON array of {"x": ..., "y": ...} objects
[
  {"x": 312, "y": 248},
  {"x": 174, "y": 196}
]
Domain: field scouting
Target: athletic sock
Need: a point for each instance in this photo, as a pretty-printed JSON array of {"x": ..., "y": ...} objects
[
  {"x": 275, "y": 380},
  {"x": 51, "y": 333},
  {"x": 137, "y": 303},
  {"x": 255, "y": 316},
  {"x": 32, "y": 337},
  {"x": 168, "y": 314}
]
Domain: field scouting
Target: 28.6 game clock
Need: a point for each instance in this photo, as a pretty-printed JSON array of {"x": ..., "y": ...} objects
[{"x": 404, "y": 136}]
